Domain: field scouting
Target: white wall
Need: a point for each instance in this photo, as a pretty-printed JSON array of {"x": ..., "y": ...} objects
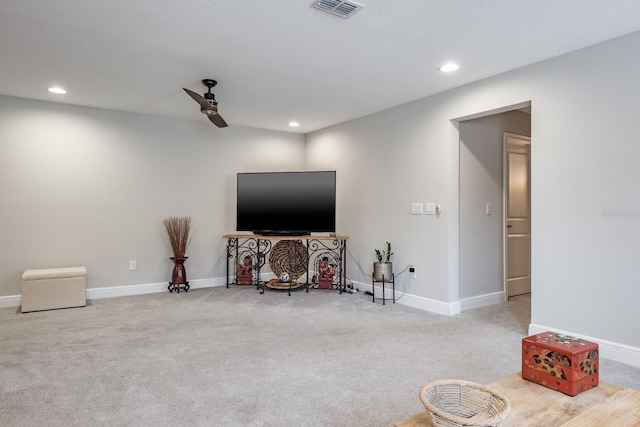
[
  {"x": 585, "y": 186},
  {"x": 481, "y": 182},
  {"x": 83, "y": 186},
  {"x": 90, "y": 187},
  {"x": 381, "y": 170}
]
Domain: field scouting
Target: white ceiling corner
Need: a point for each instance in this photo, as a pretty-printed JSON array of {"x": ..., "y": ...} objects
[{"x": 282, "y": 60}]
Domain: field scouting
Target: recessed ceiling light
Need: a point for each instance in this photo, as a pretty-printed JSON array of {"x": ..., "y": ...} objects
[
  {"x": 447, "y": 68},
  {"x": 294, "y": 124},
  {"x": 56, "y": 89}
]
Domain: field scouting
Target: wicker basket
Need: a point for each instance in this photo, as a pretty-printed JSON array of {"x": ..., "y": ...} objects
[{"x": 454, "y": 403}]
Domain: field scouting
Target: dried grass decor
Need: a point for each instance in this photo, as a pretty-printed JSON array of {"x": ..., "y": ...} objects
[{"x": 178, "y": 229}]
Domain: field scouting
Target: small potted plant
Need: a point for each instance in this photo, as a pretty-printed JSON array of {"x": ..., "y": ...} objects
[{"x": 383, "y": 268}]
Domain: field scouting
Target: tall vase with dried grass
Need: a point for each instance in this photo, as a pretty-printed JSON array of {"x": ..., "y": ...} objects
[{"x": 178, "y": 230}]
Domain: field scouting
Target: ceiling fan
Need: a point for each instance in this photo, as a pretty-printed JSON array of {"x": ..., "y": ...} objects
[{"x": 208, "y": 104}]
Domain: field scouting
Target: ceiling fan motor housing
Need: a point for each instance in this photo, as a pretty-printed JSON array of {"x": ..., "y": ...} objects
[
  {"x": 212, "y": 100},
  {"x": 209, "y": 96},
  {"x": 209, "y": 83},
  {"x": 208, "y": 104}
]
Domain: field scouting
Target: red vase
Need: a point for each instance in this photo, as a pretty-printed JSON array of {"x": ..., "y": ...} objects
[{"x": 179, "y": 275}]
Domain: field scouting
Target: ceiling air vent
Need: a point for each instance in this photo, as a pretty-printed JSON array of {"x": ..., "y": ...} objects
[{"x": 339, "y": 7}]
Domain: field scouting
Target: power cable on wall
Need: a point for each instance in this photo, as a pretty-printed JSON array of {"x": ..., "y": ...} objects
[{"x": 369, "y": 273}]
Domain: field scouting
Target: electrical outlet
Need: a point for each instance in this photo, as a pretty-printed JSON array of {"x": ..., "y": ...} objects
[{"x": 133, "y": 265}]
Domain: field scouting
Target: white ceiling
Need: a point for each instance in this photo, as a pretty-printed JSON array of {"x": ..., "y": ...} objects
[{"x": 282, "y": 60}]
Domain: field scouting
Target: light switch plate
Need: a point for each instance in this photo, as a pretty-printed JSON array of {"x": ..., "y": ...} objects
[
  {"x": 430, "y": 208},
  {"x": 417, "y": 209}
]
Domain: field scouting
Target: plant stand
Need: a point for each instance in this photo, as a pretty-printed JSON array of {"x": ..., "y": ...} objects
[
  {"x": 176, "y": 287},
  {"x": 383, "y": 281}
]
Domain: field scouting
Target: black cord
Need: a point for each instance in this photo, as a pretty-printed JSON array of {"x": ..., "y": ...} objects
[
  {"x": 350, "y": 282},
  {"x": 357, "y": 263},
  {"x": 369, "y": 273}
]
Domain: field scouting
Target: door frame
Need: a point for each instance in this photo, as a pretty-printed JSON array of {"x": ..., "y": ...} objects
[
  {"x": 505, "y": 254},
  {"x": 453, "y": 304}
]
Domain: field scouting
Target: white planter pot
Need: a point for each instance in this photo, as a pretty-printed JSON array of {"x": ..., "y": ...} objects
[{"x": 382, "y": 268}]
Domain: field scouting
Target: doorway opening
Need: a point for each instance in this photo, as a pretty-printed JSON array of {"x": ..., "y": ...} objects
[{"x": 482, "y": 262}]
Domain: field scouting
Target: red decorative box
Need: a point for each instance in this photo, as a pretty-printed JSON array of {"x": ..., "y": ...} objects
[{"x": 560, "y": 362}]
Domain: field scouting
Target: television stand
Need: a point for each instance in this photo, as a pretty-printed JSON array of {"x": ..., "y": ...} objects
[
  {"x": 325, "y": 259},
  {"x": 281, "y": 233}
]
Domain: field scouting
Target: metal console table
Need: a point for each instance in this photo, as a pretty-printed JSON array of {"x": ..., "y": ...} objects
[{"x": 321, "y": 252}]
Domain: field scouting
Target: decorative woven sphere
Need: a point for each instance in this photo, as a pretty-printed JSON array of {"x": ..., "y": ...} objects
[{"x": 291, "y": 257}]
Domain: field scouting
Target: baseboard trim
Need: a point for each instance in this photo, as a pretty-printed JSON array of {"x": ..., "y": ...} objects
[
  {"x": 10, "y": 301},
  {"x": 148, "y": 288},
  {"x": 611, "y": 350},
  {"x": 125, "y": 290},
  {"x": 481, "y": 300},
  {"x": 415, "y": 301},
  {"x": 434, "y": 306}
]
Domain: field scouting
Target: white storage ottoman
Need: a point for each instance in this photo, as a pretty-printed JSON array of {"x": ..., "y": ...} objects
[{"x": 50, "y": 288}]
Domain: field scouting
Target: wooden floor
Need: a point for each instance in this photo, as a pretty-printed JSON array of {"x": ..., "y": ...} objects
[{"x": 533, "y": 405}]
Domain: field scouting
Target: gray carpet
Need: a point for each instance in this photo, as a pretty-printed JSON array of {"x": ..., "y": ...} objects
[{"x": 232, "y": 357}]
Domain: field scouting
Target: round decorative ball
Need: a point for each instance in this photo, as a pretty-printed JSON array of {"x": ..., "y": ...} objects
[
  {"x": 291, "y": 257},
  {"x": 284, "y": 277}
]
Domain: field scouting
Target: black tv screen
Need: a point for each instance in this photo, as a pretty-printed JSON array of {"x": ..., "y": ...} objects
[{"x": 294, "y": 203}]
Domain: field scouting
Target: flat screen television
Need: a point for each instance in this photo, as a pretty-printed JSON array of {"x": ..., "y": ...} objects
[{"x": 286, "y": 203}]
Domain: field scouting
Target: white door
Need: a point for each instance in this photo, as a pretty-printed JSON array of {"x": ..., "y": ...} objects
[{"x": 517, "y": 187}]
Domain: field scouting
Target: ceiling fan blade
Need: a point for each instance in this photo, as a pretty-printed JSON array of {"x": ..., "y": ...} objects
[
  {"x": 217, "y": 120},
  {"x": 206, "y": 107},
  {"x": 204, "y": 104}
]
